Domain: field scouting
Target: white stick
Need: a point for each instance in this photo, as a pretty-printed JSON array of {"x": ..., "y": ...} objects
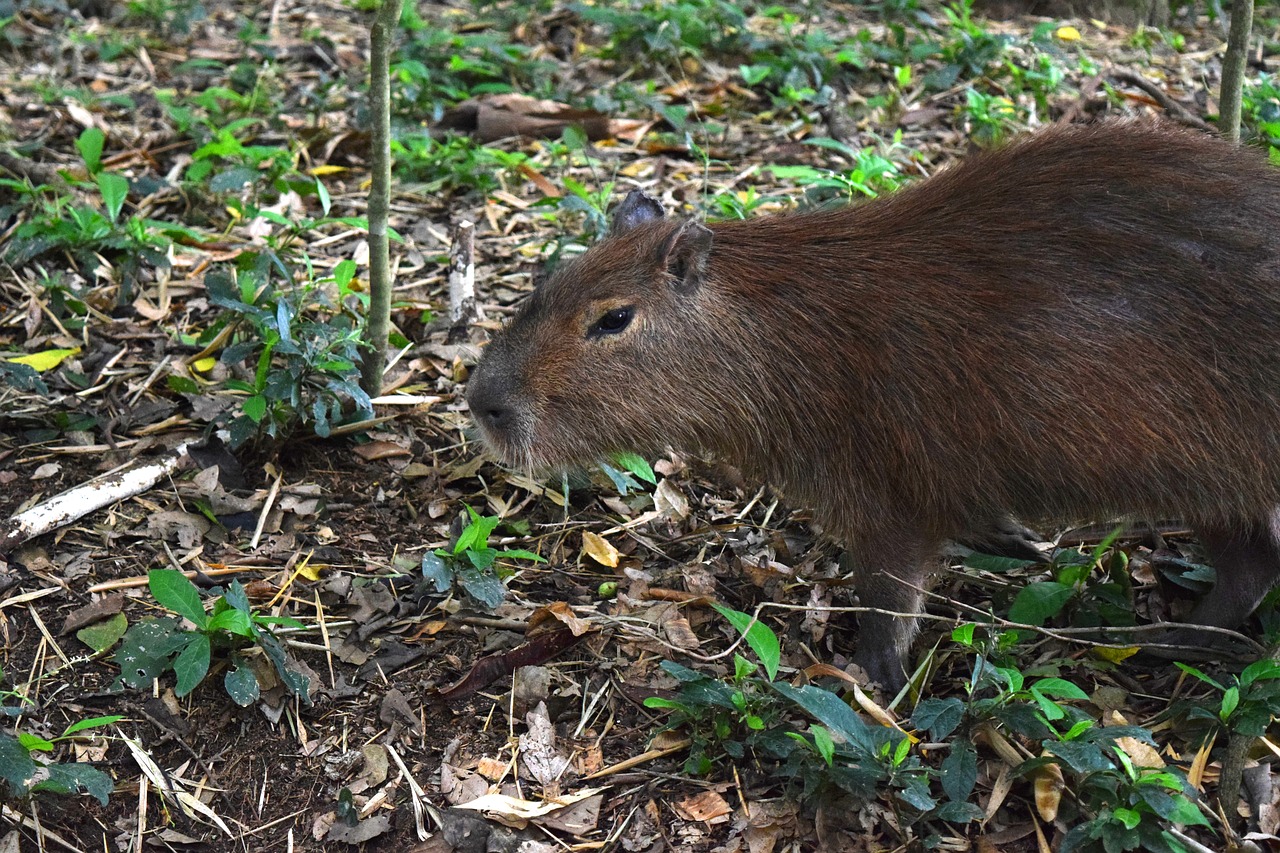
[{"x": 83, "y": 499}]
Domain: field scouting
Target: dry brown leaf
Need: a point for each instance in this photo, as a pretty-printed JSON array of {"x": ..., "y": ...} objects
[
  {"x": 538, "y": 753},
  {"x": 1199, "y": 765},
  {"x": 380, "y": 450},
  {"x": 560, "y": 612},
  {"x": 679, "y": 633},
  {"x": 708, "y": 807},
  {"x": 670, "y": 501},
  {"x": 599, "y": 549},
  {"x": 1049, "y": 784},
  {"x": 1140, "y": 753},
  {"x": 491, "y": 768}
]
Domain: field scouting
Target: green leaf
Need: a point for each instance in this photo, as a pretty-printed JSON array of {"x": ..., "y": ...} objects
[
  {"x": 823, "y": 742},
  {"x": 255, "y": 408},
  {"x": 234, "y": 621},
  {"x": 1191, "y": 670},
  {"x": 1261, "y": 670},
  {"x": 1174, "y": 807},
  {"x": 92, "y": 723},
  {"x": 322, "y": 193},
  {"x": 482, "y": 558},
  {"x": 114, "y": 189},
  {"x": 32, "y": 742},
  {"x": 758, "y": 635},
  {"x": 484, "y": 587},
  {"x": 521, "y": 554},
  {"x": 476, "y": 533},
  {"x": 436, "y": 570},
  {"x": 192, "y": 664},
  {"x": 101, "y": 636},
  {"x": 90, "y": 144},
  {"x": 286, "y": 621},
  {"x": 241, "y": 685},
  {"x": 1230, "y": 701},
  {"x": 939, "y": 717},
  {"x": 182, "y": 384},
  {"x": 963, "y": 634},
  {"x": 960, "y": 771},
  {"x": 1082, "y": 757},
  {"x": 76, "y": 776},
  {"x": 233, "y": 179},
  {"x": 1037, "y": 603},
  {"x": 622, "y": 480},
  {"x": 832, "y": 711},
  {"x": 171, "y": 588},
  {"x": 295, "y": 682},
  {"x": 637, "y": 465},
  {"x": 16, "y": 766},
  {"x": 146, "y": 649},
  {"x": 343, "y": 272}
]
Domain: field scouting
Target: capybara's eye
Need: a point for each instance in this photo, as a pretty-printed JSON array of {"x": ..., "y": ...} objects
[{"x": 611, "y": 322}]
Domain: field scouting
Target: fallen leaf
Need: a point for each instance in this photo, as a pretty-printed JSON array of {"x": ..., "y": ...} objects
[
  {"x": 560, "y": 612},
  {"x": 670, "y": 501},
  {"x": 599, "y": 549},
  {"x": 46, "y": 360},
  {"x": 380, "y": 450},
  {"x": 708, "y": 807},
  {"x": 94, "y": 611},
  {"x": 1048, "y": 784}
]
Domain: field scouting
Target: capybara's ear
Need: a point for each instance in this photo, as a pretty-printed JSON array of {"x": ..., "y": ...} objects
[
  {"x": 636, "y": 209},
  {"x": 684, "y": 254}
]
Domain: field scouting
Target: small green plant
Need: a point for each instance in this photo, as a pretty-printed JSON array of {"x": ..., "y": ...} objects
[
  {"x": 453, "y": 162},
  {"x": 626, "y": 470},
  {"x": 57, "y": 222},
  {"x": 231, "y": 633},
  {"x": 989, "y": 118},
  {"x": 969, "y": 52},
  {"x": 665, "y": 33},
  {"x": 1250, "y": 700},
  {"x": 872, "y": 174},
  {"x": 1074, "y": 594},
  {"x": 439, "y": 66},
  {"x": 295, "y": 350},
  {"x": 1261, "y": 110},
  {"x": 1115, "y": 804},
  {"x": 472, "y": 563},
  {"x": 25, "y": 765},
  {"x": 753, "y": 715}
]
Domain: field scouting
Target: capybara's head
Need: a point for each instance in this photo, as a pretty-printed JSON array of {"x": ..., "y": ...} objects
[{"x": 599, "y": 359}]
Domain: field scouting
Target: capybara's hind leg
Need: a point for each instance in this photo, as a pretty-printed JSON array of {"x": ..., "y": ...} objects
[{"x": 1246, "y": 560}]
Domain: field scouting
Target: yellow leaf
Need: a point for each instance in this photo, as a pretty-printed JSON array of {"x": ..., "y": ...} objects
[
  {"x": 321, "y": 171},
  {"x": 311, "y": 571},
  {"x": 204, "y": 365},
  {"x": 46, "y": 360},
  {"x": 1115, "y": 655},
  {"x": 599, "y": 549},
  {"x": 1068, "y": 34},
  {"x": 1048, "y": 785}
]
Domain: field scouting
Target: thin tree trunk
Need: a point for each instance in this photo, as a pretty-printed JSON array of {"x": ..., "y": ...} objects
[
  {"x": 1233, "y": 64},
  {"x": 379, "y": 320}
]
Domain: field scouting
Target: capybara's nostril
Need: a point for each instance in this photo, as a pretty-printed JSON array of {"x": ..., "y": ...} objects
[{"x": 496, "y": 418}]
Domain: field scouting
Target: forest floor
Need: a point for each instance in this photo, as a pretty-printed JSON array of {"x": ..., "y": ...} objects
[{"x": 241, "y": 130}]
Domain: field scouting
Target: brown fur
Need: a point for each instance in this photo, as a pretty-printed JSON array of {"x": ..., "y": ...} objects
[{"x": 1083, "y": 324}]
